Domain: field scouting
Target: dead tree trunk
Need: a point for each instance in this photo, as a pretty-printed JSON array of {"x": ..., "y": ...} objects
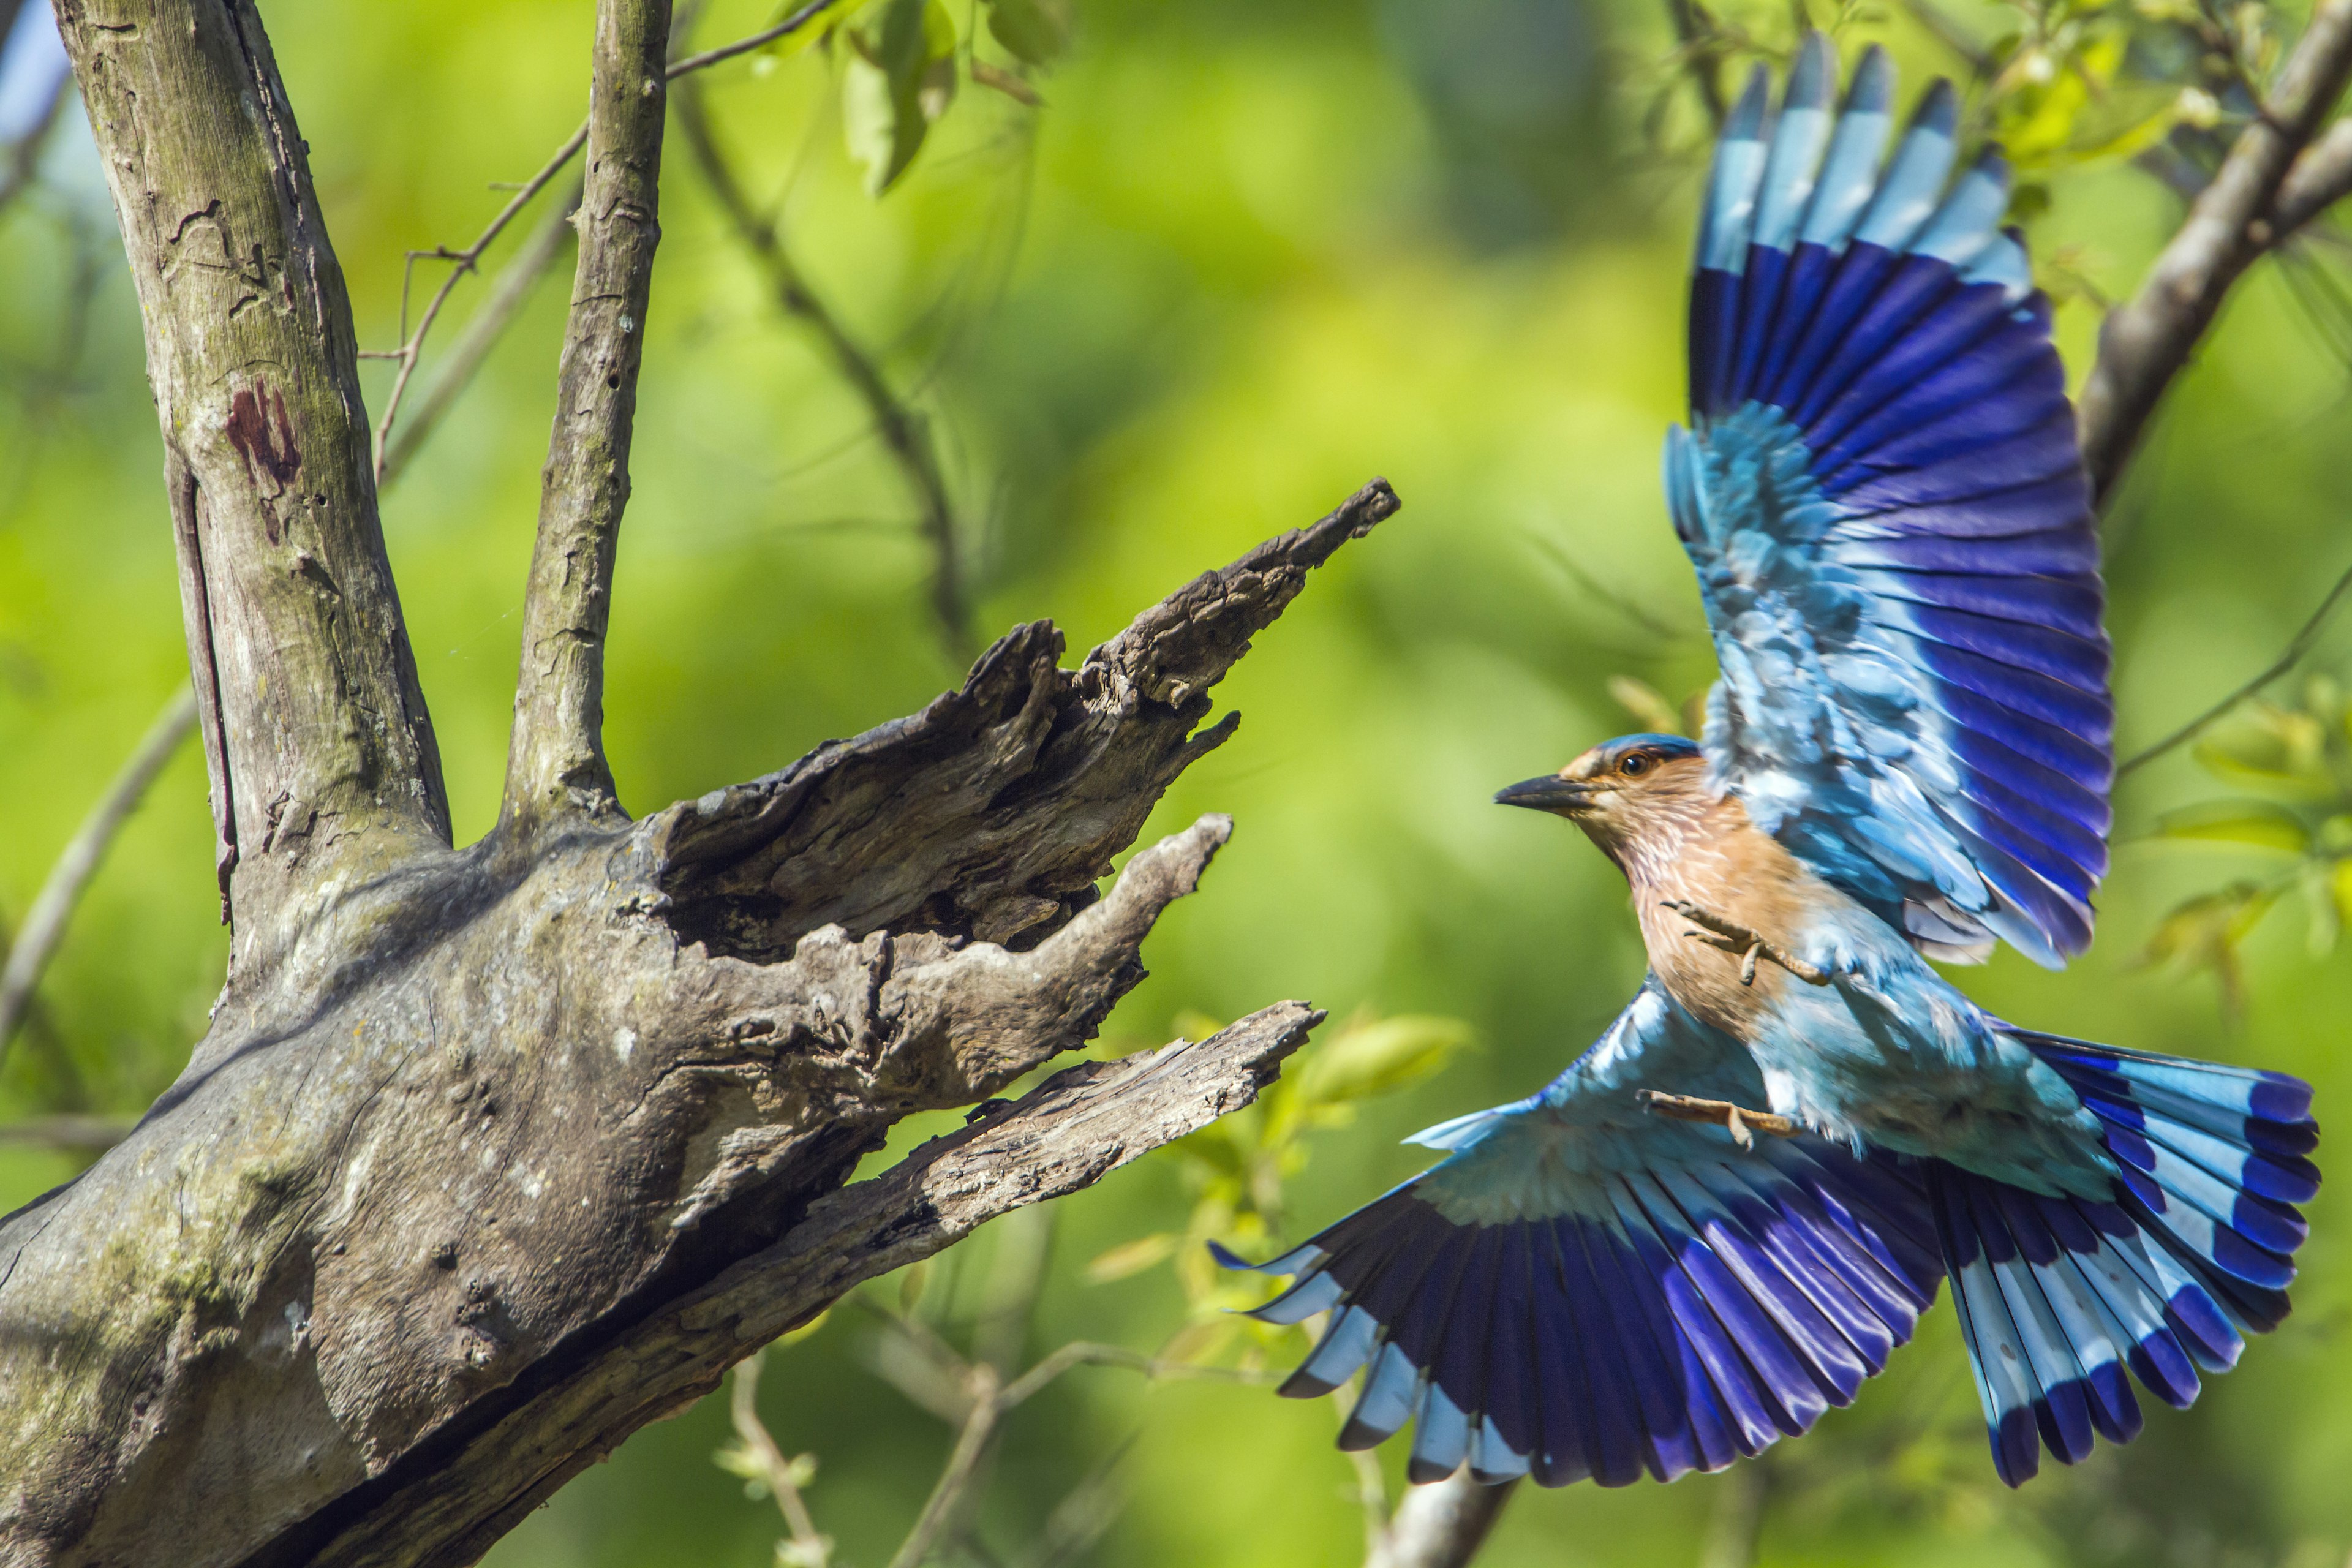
[{"x": 494, "y": 1155}]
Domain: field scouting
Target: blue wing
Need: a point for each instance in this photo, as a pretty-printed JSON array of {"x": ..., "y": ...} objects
[
  {"x": 1884, "y": 497},
  {"x": 1585, "y": 1289}
]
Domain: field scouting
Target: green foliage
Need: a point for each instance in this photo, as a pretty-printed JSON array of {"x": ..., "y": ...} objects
[
  {"x": 899, "y": 73},
  {"x": 1215, "y": 288},
  {"x": 1237, "y": 1168},
  {"x": 2296, "y": 821}
]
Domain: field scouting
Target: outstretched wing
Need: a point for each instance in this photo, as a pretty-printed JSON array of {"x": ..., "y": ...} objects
[
  {"x": 1884, "y": 497},
  {"x": 1585, "y": 1288}
]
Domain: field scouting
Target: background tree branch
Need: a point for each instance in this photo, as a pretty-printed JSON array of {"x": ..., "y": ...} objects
[
  {"x": 44, "y": 922},
  {"x": 2147, "y": 340},
  {"x": 906, "y": 433}
]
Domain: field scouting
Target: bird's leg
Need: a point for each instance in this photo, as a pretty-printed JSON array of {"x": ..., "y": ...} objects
[
  {"x": 1740, "y": 1122},
  {"x": 1745, "y": 945}
]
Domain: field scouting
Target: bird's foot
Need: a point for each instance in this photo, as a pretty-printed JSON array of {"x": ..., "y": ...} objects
[
  {"x": 1745, "y": 944},
  {"x": 1741, "y": 1123}
]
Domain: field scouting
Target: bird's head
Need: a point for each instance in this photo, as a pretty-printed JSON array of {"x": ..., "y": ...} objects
[{"x": 1621, "y": 790}]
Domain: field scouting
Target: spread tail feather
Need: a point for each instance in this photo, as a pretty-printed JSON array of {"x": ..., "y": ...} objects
[
  {"x": 1688, "y": 1317},
  {"x": 2058, "y": 1296}
]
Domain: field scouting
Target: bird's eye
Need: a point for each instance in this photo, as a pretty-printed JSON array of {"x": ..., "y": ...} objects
[{"x": 1634, "y": 765}]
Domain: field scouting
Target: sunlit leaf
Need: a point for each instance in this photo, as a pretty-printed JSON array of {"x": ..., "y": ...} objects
[
  {"x": 1031, "y": 30},
  {"x": 898, "y": 78},
  {"x": 1131, "y": 1257},
  {"x": 2255, "y": 824},
  {"x": 2278, "y": 751},
  {"x": 1378, "y": 1056}
]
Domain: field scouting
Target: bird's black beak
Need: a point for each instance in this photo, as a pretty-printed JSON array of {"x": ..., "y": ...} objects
[{"x": 1550, "y": 793}]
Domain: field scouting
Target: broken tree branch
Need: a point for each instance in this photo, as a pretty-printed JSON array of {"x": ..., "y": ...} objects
[
  {"x": 2146, "y": 341},
  {"x": 1071, "y": 1131},
  {"x": 555, "y": 763},
  {"x": 497, "y": 1168},
  {"x": 905, "y": 433},
  {"x": 44, "y": 922}
]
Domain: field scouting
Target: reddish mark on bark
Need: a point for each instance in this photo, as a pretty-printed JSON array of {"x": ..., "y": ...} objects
[{"x": 264, "y": 439}]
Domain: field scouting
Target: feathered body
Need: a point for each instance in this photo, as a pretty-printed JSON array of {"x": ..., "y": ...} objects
[{"x": 1907, "y": 757}]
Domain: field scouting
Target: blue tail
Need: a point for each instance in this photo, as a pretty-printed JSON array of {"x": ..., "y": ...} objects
[{"x": 2057, "y": 1296}]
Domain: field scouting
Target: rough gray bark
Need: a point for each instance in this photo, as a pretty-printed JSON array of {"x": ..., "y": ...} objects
[
  {"x": 323, "y": 763},
  {"x": 556, "y": 766},
  {"x": 491, "y": 1155}
]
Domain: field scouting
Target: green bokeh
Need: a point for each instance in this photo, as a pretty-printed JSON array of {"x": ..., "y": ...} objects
[{"x": 1248, "y": 256}]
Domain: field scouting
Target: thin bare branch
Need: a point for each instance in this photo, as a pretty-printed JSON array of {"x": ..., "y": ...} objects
[
  {"x": 1738, "y": 1523},
  {"x": 2145, "y": 342},
  {"x": 1946, "y": 30},
  {"x": 761, "y": 39},
  {"x": 1441, "y": 1525},
  {"x": 776, "y": 1471},
  {"x": 483, "y": 330},
  {"x": 2296, "y": 648},
  {"x": 44, "y": 922},
  {"x": 2319, "y": 179},
  {"x": 464, "y": 261},
  {"x": 555, "y": 763},
  {"x": 905, "y": 433}
]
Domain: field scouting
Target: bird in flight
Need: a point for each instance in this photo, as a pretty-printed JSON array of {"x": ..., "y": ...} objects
[{"x": 1727, "y": 1212}]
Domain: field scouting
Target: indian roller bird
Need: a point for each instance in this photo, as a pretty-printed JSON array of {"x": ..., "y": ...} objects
[{"x": 1727, "y": 1212}]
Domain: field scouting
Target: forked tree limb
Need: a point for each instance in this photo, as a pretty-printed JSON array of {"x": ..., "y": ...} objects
[
  {"x": 555, "y": 763},
  {"x": 348, "y": 1292}
]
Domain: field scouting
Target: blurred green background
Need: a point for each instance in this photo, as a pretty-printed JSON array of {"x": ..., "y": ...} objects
[{"x": 1245, "y": 257}]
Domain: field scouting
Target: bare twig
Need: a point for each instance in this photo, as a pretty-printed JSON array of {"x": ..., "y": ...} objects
[
  {"x": 44, "y": 922},
  {"x": 761, "y": 39},
  {"x": 483, "y": 330},
  {"x": 2297, "y": 645},
  {"x": 464, "y": 261},
  {"x": 904, "y": 431},
  {"x": 2146, "y": 341},
  {"x": 1441, "y": 1525},
  {"x": 776, "y": 1471},
  {"x": 971, "y": 1443}
]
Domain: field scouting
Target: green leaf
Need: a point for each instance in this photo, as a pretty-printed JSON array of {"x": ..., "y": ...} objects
[
  {"x": 2278, "y": 751},
  {"x": 1130, "y": 1258},
  {"x": 2206, "y": 928},
  {"x": 1028, "y": 30},
  {"x": 1377, "y": 1056},
  {"x": 2250, "y": 821},
  {"x": 898, "y": 77}
]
